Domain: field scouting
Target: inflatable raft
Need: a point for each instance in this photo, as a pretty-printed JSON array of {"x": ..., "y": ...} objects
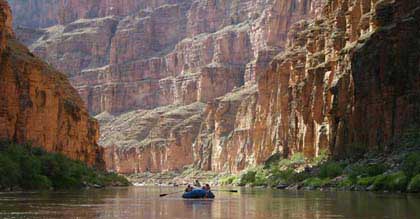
[{"x": 198, "y": 193}]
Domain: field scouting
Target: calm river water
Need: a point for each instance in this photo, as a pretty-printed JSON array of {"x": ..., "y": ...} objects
[{"x": 144, "y": 202}]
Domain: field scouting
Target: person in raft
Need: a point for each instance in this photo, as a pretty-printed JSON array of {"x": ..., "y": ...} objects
[
  {"x": 197, "y": 183},
  {"x": 207, "y": 188},
  {"x": 189, "y": 188}
]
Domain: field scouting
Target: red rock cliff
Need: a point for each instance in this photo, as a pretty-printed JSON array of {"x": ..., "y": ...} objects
[
  {"x": 225, "y": 84},
  {"x": 154, "y": 56},
  {"x": 348, "y": 80},
  {"x": 38, "y": 104}
]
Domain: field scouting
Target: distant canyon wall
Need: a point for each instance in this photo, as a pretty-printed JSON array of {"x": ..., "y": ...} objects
[
  {"x": 223, "y": 85},
  {"x": 38, "y": 105},
  {"x": 128, "y": 55}
]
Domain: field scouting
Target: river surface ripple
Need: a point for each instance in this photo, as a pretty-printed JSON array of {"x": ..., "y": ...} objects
[{"x": 144, "y": 202}]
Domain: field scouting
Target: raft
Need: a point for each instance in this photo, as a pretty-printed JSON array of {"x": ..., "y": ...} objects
[{"x": 198, "y": 193}]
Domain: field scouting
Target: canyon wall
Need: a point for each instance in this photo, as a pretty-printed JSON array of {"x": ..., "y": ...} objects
[
  {"x": 136, "y": 58},
  {"x": 347, "y": 81},
  {"x": 223, "y": 85},
  {"x": 146, "y": 54},
  {"x": 38, "y": 104}
]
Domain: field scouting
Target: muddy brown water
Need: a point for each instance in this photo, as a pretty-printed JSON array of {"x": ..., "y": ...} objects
[{"x": 144, "y": 202}]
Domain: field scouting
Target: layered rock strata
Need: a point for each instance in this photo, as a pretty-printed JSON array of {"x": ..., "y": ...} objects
[
  {"x": 128, "y": 55},
  {"x": 155, "y": 55},
  {"x": 347, "y": 81},
  {"x": 38, "y": 104},
  {"x": 151, "y": 140}
]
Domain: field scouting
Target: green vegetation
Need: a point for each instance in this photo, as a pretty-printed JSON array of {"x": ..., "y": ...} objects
[
  {"x": 414, "y": 185},
  {"x": 228, "y": 180},
  {"x": 365, "y": 170},
  {"x": 30, "y": 168},
  {"x": 316, "y": 182},
  {"x": 331, "y": 174},
  {"x": 295, "y": 159},
  {"x": 411, "y": 164},
  {"x": 393, "y": 182},
  {"x": 366, "y": 181},
  {"x": 330, "y": 170}
]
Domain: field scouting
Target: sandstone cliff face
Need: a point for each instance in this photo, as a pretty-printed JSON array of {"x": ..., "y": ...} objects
[
  {"x": 151, "y": 56},
  {"x": 348, "y": 79},
  {"x": 38, "y": 104},
  {"x": 151, "y": 140},
  {"x": 129, "y": 55}
]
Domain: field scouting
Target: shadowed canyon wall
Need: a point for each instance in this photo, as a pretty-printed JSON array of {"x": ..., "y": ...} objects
[
  {"x": 224, "y": 85},
  {"x": 38, "y": 104}
]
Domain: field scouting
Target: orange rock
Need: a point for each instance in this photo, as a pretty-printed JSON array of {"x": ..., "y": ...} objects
[{"x": 38, "y": 104}]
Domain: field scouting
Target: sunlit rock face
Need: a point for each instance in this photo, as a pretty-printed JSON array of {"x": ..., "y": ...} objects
[
  {"x": 126, "y": 55},
  {"x": 348, "y": 79},
  {"x": 151, "y": 140},
  {"x": 137, "y": 58},
  {"x": 38, "y": 104},
  {"x": 250, "y": 77}
]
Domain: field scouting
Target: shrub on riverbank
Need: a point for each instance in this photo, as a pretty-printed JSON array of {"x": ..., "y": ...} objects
[
  {"x": 414, "y": 185},
  {"x": 315, "y": 182},
  {"x": 411, "y": 164},
  {"x": 392, "y": 182},
  {"x": 362, "y": 175},
  {"x": 26, "y": 167},
  {"x": 330, "y": 169}
]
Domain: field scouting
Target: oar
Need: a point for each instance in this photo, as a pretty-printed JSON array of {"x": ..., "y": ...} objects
[
  {"x": 230, "y": 190},
  {"x": 165, "y": 194}
]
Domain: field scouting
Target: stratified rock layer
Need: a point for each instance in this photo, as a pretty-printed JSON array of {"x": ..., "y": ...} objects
[
  {"x": 129, "y": 55},
  {"x": 38, "y": 104},
  {"x": 157, "y": 55},
  {"x": 248, "y": 83},
  {"x": 347, "y": 81},
  {"x": 151, "y": 140}
]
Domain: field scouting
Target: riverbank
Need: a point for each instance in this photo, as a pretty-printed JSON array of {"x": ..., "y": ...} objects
[
  {"x": 393, "y": 170},
  {"x": 23, "y": 167}
]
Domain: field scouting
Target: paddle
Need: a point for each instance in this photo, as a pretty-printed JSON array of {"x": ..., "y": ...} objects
[
  {"x": 230, "y": 190},
  {"x": 165, "y": 194}
]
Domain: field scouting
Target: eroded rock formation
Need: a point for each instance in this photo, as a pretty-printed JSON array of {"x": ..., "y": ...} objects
[
  {"x": 129, "y": 55},
  {"x": 249, "y": 77},
  {"x": 38, "y": 104},
  {"x": 348, "y": 80},
  {"x": 145, "y": 55}
]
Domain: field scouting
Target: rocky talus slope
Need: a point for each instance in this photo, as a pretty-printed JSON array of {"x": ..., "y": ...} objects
[
  {"x": 38, "y": 104},
  {"x": 224, "y": 85}
]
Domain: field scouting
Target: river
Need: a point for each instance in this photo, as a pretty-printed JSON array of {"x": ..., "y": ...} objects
[{"x": 144, "y": 202}]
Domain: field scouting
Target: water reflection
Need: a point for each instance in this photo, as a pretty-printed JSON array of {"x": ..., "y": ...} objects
[{"x": 144, "y": 202}]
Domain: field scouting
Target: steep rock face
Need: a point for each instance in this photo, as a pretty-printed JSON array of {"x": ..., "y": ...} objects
[
  {"x": 134, "y": 55},
  {"x": 225, "y": 140},
  {"x": 38, "y": 104},
  {"x": 348, "y": 79},
  {"x": 151, "y": 140},
  {"x": 149, "y": 56}
]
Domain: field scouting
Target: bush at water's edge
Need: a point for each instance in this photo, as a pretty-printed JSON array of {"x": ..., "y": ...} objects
[
  {"x": 369, "y": 174},
  {"x": 395, "y": 170},
  {"x": 31, "y": 168}
]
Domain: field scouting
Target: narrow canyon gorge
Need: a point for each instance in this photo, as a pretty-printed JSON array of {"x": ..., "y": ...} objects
[{"x": 221, "y": 85}]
